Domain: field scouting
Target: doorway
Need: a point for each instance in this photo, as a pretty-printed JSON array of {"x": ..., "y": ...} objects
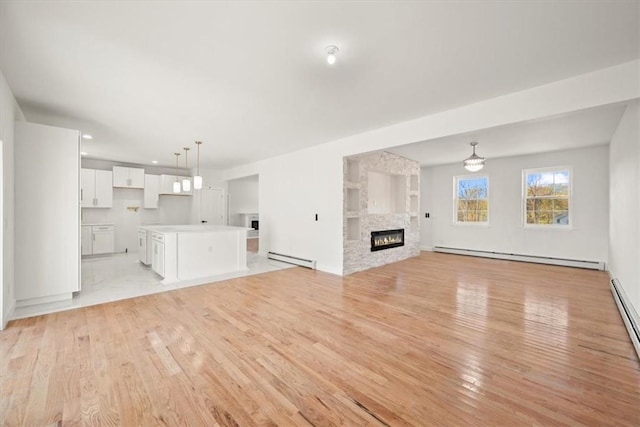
[{"x": 243, "y": 196}]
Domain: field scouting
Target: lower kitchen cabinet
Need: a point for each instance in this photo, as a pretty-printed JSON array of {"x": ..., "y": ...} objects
[
  {"x": 98, "y": 239},
  {"x": 87, "y": 237}
]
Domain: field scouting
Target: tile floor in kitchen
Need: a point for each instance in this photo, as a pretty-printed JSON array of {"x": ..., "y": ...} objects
[{"x": 120, "y": 276}]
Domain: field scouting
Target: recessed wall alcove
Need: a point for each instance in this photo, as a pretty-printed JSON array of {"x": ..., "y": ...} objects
[{"x": 381, "y": 192}]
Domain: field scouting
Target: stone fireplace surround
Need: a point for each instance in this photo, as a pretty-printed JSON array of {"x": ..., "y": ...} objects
[{"x": 358, "y": 223}]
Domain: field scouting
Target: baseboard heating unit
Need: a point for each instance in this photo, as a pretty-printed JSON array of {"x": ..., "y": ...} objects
[
  {"x": 292, "y": 260},
  {"x": 629, "y": 315},
  {"x": 594, "y": 265}
]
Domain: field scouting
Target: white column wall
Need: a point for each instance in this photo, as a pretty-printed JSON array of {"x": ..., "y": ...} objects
[
  {"x": 624, "y": 205},
  {"x": 9, "y": 113}
]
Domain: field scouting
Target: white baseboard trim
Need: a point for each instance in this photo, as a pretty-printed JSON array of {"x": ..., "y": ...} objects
[
  {"x": 627, "y": 312},
  {"x": 426, "y": 248},
  {"x": 44, "y": 300},
  {"x": 8, "y": 314},
  {"x": 594, "y": 265}
]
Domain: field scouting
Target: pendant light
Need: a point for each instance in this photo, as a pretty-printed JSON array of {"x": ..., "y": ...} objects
[
  {"x": 186, "y": 183},
  {"x": 474, "y": 162},
  {"x": 176, "y": 185},
  {"x": 197, "y": 180}
]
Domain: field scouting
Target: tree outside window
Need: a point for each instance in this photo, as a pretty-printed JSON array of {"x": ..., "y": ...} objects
[
  {"x": 547, "y": 196},
  {"x": 472, "y": 199}
]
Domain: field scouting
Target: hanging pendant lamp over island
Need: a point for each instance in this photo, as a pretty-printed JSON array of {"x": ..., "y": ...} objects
[
  {"x": 474, "y": 162},
  {"x": 197, "y": 180},
  {"x": 176, "y": 185},
  {"x": 186, "y": 183}
]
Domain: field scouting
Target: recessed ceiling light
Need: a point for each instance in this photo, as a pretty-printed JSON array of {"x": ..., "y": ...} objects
[
  {"x": 87, "y": 136},
  {"x": 84, "y": 153},
  {"x": 331, "y": 54},
  {"x": 155, "y": 162}
]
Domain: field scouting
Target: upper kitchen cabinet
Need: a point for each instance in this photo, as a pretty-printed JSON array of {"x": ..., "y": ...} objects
[
  {"x": 166, "y": 185},
  {"x": 124, "y": 177},
  {"x": 96, "y": 189}
]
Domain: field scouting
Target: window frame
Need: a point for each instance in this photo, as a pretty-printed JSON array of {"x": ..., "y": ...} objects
[
  {"x": 523, "y": 204},
  {"x": 456, "y": 180}
]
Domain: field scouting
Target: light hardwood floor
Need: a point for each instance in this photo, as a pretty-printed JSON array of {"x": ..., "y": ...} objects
[{"x": 435, "y": 340}]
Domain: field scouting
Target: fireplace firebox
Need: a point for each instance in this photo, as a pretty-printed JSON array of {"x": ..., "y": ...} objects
[{"x": 386, "y": 239}]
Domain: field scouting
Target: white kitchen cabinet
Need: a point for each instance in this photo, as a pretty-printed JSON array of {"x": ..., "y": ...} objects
[
  {"x": 157, "y": 258},
  {"x": 124, "y": 177},
  {"x": 164, "y": 255},
  {"x": 96, "y": 189},
  {"x": 103, "y": 242},
  {"x": 87, "y": 187},
  {"x": 98, "y": 239},
  {"x": 151, "y": 191},
  {"x": 144, "y": 254},
  {"x": 86, "y": 240},
  {"x": 166, "y": 185}
]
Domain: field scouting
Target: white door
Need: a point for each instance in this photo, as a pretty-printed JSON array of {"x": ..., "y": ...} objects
[{"x": 212, "y": 206}]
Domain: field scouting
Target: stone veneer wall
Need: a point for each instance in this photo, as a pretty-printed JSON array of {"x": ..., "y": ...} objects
[{"x": 358, "y": 223}]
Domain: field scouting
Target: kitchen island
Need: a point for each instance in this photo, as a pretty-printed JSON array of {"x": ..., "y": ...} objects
[{"x": 188, "y": 252}]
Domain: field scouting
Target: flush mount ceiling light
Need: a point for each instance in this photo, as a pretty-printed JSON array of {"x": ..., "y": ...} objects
[
  {"x": 84, "y": 153},
  {"x": 474, "y": 162},
  {"x": 186, "y": 183},
  {"x": 87, "y": 136},
  {"x": 331, "y": 54},
  {"x": 155, "y": 162},
  {"x": 197, "y": 180},
  {"x": 176, "y": 185}
]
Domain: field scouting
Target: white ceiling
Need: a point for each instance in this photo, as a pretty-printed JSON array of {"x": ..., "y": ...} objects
[
  {"x": 585, "y": 128},
  {"x": 250, "y": 78}
]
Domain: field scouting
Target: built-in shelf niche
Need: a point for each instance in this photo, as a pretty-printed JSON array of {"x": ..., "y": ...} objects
[
  {"x": 414, "y": 183},
  {"x": 353, "y": 200},
  {"x": 413, "y": 204},
  {"x": 353, "y": 171},
  {"x": 386, "y": 193},
  {"x": 353, "y": 228}
]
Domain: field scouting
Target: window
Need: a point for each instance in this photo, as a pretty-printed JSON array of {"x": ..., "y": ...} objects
[
  {"x": 471, "y": 199},
  {"x": 547, "y": 196}
]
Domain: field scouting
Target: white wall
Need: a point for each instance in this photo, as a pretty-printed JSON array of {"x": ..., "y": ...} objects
[
  {"x": 9, "y": 113},
  {"x": 587, "y": 238},
  {"x": 426, "y": 206},
  {"x": 243, "y": 198},
  {"x": 624, "y": 205},
  {"x": 295, "y": 186}
]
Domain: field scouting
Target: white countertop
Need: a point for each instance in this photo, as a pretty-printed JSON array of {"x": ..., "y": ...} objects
[{"x": 203, "y": 228}]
